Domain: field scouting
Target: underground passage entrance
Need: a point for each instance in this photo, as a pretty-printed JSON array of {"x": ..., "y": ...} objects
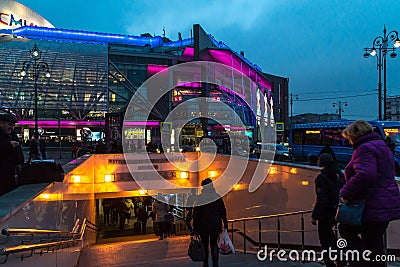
[{"x": 135, "y": 217}]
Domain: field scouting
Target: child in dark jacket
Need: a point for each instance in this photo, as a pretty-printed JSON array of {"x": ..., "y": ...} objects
[{"x": 327, "y": 186}]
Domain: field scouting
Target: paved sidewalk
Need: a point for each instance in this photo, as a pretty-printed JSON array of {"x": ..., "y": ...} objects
[{"x": 170, "y": 252}]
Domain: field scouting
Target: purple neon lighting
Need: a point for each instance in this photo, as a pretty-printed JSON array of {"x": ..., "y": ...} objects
[
  {"x": 189, "y": 84},
  {"x": 153, "y": 69},
  {"x": 63, "y": 123},
  {"x": 54, "y": 123},
  {"x": 141, "y": 123},
  {"x": 230, "y": 59},
  {"x": 189, "y": 52},
  {"x": 198, "y": 85}
]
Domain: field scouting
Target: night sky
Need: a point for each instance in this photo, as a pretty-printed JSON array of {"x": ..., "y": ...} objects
[{"x": 317, "y": 44}]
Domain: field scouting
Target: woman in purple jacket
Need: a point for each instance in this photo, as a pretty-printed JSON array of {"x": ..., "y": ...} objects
[{"x": 369, "y": 175}]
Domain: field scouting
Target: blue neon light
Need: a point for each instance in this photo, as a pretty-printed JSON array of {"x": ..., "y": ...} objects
[
  {"x": 180, "y": 43},
  {"x": 85, "y": 37}
]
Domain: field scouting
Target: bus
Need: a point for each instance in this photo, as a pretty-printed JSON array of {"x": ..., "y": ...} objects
[{"x": 307, "y": 140}]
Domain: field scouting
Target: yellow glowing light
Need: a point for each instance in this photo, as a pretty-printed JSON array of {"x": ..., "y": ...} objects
[
  {"x": 273, "y": 170},
  {"x": 212, "y": 174},
  {"x": 305, "y": 183},
  {"x": 109, "y": 178},
  {"x": 46, "y": 196},
  {"x": 197, "y": 149},
  {"x": 142, "y": 192},
  {"x": 293, "y": 170},
  {"x": 313, "y": 132},
  {"x": 236, "y": 187},
  {"x": 76, "y": 178},
  {"x": 184, "y": 175}
]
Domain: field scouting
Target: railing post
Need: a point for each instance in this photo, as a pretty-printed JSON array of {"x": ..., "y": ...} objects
[
  {"x": 259, "y": 234},
  {"x": 279, "y": 233},
  {"x": 232, "y": 233},
  {"x": 302, "y": 231},
  {"x": 244, "y": 236}
]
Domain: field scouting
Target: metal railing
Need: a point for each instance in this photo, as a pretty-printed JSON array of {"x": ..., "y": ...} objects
[
  {"x": 36, "y": 241},
  {"x": 278, "y": 229}
]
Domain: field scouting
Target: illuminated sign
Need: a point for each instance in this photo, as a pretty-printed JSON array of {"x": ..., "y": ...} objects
[
  {"x": 280, "y": 126},
  {"x": 313, "y": 132},
  {"x": 14, "y": 15},
  {"x": 9, "y": 20},
  {"x": 388, "y": 131}
]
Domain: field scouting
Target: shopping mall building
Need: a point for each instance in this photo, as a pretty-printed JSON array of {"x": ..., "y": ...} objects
[{"x": 93, "y": 74}]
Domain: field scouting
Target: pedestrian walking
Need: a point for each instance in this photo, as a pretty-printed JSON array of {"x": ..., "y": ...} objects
[
  {"x": 189, "y": 208},
  {"x": 369, "y": 176},
  {"x": 208, "y": 220},
  {"x": 160, "y": 208},
  {"x": 33, "y": 149},
  {"x": 106, "y": 204},
  {"x": 74, "y": 149},
  {"x": 142, "y": 215},
  {"x": 9, "y": 158},
  {"x": 327, "y": 186},
  {"x": 42, "y": 148}
]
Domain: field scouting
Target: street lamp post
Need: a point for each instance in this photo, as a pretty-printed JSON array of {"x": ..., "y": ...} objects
[
  {"x": 340, "y": 106},
  {"x": 37, "y": 66},
  {"x": 296, "y": 97},
  {"x": 381, "y": 44}
]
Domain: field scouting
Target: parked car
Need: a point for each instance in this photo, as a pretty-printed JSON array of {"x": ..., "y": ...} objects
[{"x": 281, "y": 152}]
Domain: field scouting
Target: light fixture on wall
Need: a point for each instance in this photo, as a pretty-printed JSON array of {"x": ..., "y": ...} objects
[{"x": 109, "y": 178}]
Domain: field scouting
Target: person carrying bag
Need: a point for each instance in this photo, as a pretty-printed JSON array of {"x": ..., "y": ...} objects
[
  {"x": 370, "y": 178},
  {"x": 196, "y": 248}
]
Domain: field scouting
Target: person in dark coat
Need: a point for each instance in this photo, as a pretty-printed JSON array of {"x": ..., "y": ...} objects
[
  {"x": 369, "y": 175},
  {"x": 328, "y": 149},
  {"x": 327, "y": 186},
  {"x": 208, "y": 219},
  {"x": 189, "y": 203},
  {"x": 42, "y": 148},
  {"x": 33, "y": 149},
  {"x": 8, "y": 154}
]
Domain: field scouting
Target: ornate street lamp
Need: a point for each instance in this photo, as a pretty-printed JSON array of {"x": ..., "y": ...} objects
[
  {"x": 380, "y": 49},
  {"x": 340, "y": 106},
  {"x": 37, "y": 67}
]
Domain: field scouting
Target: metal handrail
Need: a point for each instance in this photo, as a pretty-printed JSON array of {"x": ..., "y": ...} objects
[
  {"x": 72, "y": 237},
  {"x": 278, "y": 230}
]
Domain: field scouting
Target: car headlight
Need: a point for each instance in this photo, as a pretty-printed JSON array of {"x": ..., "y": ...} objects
[{"x": 286, "y": 154}]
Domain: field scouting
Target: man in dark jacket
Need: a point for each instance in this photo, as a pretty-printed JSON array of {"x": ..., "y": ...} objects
[
  {"x": 208, "y": 219},
  {"x": 327, "y": 186},
  {"x": 8, "y": 154}
]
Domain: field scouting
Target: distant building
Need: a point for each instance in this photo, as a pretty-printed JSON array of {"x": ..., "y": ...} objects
[
  {"x": 393, "y": 108},
  {"x": 314, "y": 117},
  {"x": 96, "y": 73}
]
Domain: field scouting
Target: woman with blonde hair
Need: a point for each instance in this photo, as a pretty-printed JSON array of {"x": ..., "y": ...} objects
[{"x": 370, "y": 176}]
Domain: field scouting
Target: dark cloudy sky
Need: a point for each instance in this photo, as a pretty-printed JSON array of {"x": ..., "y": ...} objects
[{"x": 317, "y": 44}]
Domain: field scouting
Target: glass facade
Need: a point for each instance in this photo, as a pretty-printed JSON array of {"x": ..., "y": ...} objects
[{"x": 78, "y": 82}]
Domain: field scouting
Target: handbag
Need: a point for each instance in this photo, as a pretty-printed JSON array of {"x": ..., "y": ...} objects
[
  {"x": 196, "y": 249},
  {"x": 350, "y": 213}
]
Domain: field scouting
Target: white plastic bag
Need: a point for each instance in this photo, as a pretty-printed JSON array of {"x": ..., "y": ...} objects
[{"x": 225, "y": 244}]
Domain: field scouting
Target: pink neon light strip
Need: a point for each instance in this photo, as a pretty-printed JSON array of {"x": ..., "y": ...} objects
[
  {"x": 85, "y": 123},
  {"x": 62, "y": 123},
  {"x": 141, "y": 123},
  {"x": 153, "y": 69}
]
